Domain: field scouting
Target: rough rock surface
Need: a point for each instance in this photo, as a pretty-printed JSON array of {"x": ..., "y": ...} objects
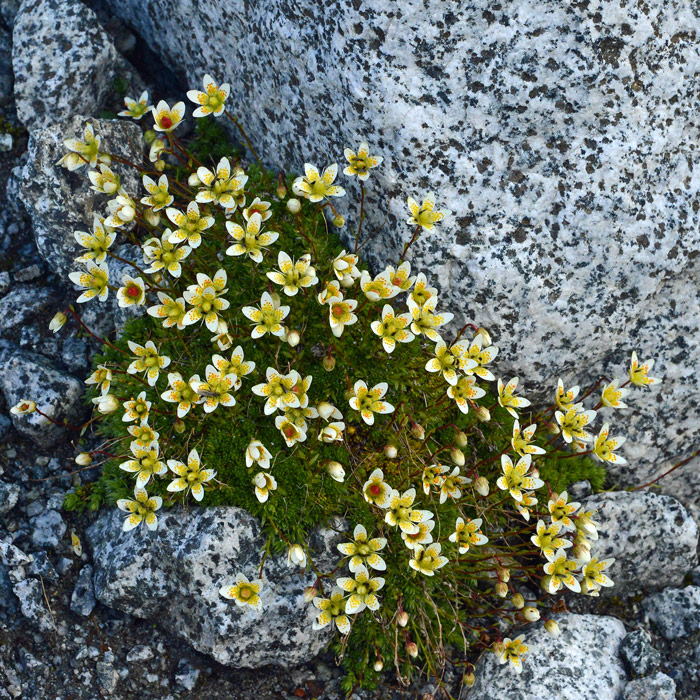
[
  {"x": 676, "y": 611},
  {"x": 64, "y": 62},
  {"x": 639, "y": 653},
  {"x": 559, "y": 136},
  {"x": 25, "y": 375},
  {"x": 582, "y": 664},
  {"x": 656, "y": 687},
  {"x": 60, "y": 202},
  {"x": 652, "y": 536},
  {"x": 174, "y": 575}
]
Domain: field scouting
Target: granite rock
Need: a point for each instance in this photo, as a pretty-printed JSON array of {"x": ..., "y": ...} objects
[
  {"x": 652, "y": 536},
  {"x": 583, "y": 664},
  {"x": 9, "y": 495},
  {"x": 60, "y": 202},
  {"x": 173, "y": 576},
  {"x": 64, "y": 62},
  {"x": 560, "y": 137},
  {"x": 656, "y": 687},
  {"x": 48, "y": 529},
  {"x": 6, "y": 80},
  {"x": 676, "y": 611},
  {"x": 82, "y": 600},
  {"x": 21, "y": 305},
  {"x": 639, "y": 653},
  {"x": 32, "y": 605},
  {"x": 12, "y": 556}
]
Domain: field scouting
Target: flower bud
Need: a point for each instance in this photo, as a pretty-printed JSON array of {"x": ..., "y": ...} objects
[
  {"x": 294, "y": 205},
  {"x": 402, "y": 618},
  {"x": 150, "y": 136},
  {"x": 483, "y": 414},
  {"x": 293, "y": 338},
  {"x": 325, "y": 409},
  {"x": 310, "y": 592},
  {"x": 481, "y": 485},
  {"x": 23, "y": 407},
  {"x": 378, "y": 665},
  {"x": 531, "y": 614},
  {"x": 501, "y": 589},
  {"x": 179, "y": 426},
  {"x": 504, "y": 575},
  {"x": 347, "y": 282},
  {"x": 457, "y": 456},
  {"x": 159, "y": 165},
  {"x": 339, "y": 221},
  {"x": 582, "y": 552},
  {"x": 390, "y": 451},
  {"x": 193, "y": 180},
  {"x": 328, "y": 363},
  {"x": 518, "y": 601},
  {"x": 152, "y": 217},
  {"x": 461, "y": 439},
  {"x": 417, "y": 430},
  {"x": 296, "y": 556},
  {"x": 57, "y": 322},
  {"x": 335, "y": 471},
  {"x": 485, "y": 336},
  {"x": 157, "y": 277},
  {"x": 535, "y": 472},
  {"x": 552, "y": 428},
  {"x": 552, "y": 628},
  {"x": 498, "y": 648},
  {"x": 412, "y": 649},
  {"x": 545, "y": 582},
  {"x": 107, "y": 403},
  {"x": 83, "y": 459}
]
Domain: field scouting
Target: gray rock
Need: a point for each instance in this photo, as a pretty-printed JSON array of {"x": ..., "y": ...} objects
[
  {"x": 60, "y": 202},
  {"x": 64, "y": 62},
  {"x": 656, "y": 687},
  {"x": 676, "y": 611},
  {"x": 12, "y": 556},
  {"x": 107, "y": 676},
  {"x": 27, "y": 274},
  {"x": 560, "y": 141},
  {"x": 639, "y": 653},
  {"x": 5, "y": 425},
  {"x": 4, "y": 281},
  {"x": 48, "y": 529},
  {"x": 83, "y": 599},
  {"x": 652, "y": 536},
  {"x": 6, "y": 79},
  {"x": 579, "y": 490},
  {"x": 42, "y": 566},
  {"x": 186, "y": 675},
  {"x": 32, "y": 605},
  {"x": 8, "y": 10},
  {"x": 6, "y": 142},
  {"x": 139, "y": 654},
  {"x": 9, "y": 495},
  {"x": 582, "y": 664},
  {"x": 22, "y": 304},
  {"x": 75, "y": 355},
  {"x": 185, "y": 563},
  {"x": 25, "y": 375},
  {"x": 34, "y": 508}
]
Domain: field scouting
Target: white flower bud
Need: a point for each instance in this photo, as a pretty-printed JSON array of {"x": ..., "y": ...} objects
[
  {"x": 327, "y": 410},
  {"x": 335, "y": 471},
  {"x": 412, "y": 649},
  {"x": 57, "y": 322},
  {"x": 402, "y": 618},
  {"x": 501, "y": 589},
  {"x": 582, "y": 552},
  {"x": 294, "y": 205},
  {"x": 159, "y": 165},
  {"x": 222, "y": 327},
  {"x": 552, "y": 628},
  {"x": 469, "y": 680},
  {"x": 378, "y": 665},
  {"x": 483, "y": 414},
  {"x": 390, "y": 451},
  {"x": 296, "y": 556},
  {"x": 107, "y": 403},
  {"x": 481, "y": 485},
  {"x": 193, "y": 180},
  {"x": 339, "y": 221},
  {"x": 504, "y": 575},
  {"x": 417, "y": 430},
  {"x": 531, "y": 614},
  {"x": 293, "y": 338},
  {"x": 281, "y": 191},
  {"x": 461, "y": 439},
  {"x": 457, "y": 457},
  {"x": 152, "y": 217},
  {"x": 485, "y": 336},
  {"x": 518, "y": 601},
  {"x": 83, "y": 459},
  {"x": 310, "y": 592}
]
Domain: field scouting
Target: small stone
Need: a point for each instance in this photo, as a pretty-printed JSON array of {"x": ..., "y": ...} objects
[
  {"x": 22, "y": 304},
  {"x": 5, "y": 425},
  {"x": 48, "y": 530},
  {"x": 656, "y": 687},
  {"x": 12, "y": 556},
  {"x": 64, "y": 565},
  {"x": 639, "y": 653},
  {"x": 676, "y": 611},
  {"x": 31, "y": 602},
  {"x": 107, "y": 676},
  {"x": 35, "y": 508},
  {"x": 5, "y": 142},
  {"x": 579, "y": 490},
  {"x": 4, "y": 281},
  {"x": 83, "y": 599},
  {"x": 9, "y": 495},
  {"x": 139, "y": 654},
  {"x": 42, "y": 566},
  {"x": 186, "y": 675},
  {"x": 695, "y": 576},
  {"x": 26, "y": 274}
]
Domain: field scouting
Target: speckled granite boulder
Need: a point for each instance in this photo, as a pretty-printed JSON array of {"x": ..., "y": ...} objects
[
  {"x": 652, "y": 536},
  {"x": 60, "y": 202},
  {"x": 173, "y": 576},
  {"x": 656, "y": 687},
  {"x": 20, "y": 305},
  {"x": 25, "y": 375},
  {"x": 639, "y": 653},
  {"x": 559, "y": 135},
  {"x": 582, "y": 664},
  {"x": 64, "y": 62},
  {"x": 676, "y": 611}
]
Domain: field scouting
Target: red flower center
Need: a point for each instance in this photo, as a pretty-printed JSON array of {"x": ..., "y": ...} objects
[
  {"x": 289, "y": 431},
  {"x": 337, "y": 310},
  {"x": 166, "y": 122},
  {"x": 133, "y": 291},
  {"x": 375, "y": 489}
]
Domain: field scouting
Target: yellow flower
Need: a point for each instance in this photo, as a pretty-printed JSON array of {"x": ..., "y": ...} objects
[
  {"x": 638, "y": 372},
  {"x": 370, "y": 401},
  {"x": 345, "y": 268},
  {"x": 97, "y": 243},
  {"x": 392, "y": 328},
  {"x": 330, "y": 291},
  {"x": 212, "y": 100},
  {"x": 24, "y": 407},
  {"x": 206, "y": 300},
  {"x": 257, "y": 206},
  {"x": 101, "y": 376},
  {"x": 190, "y": 225},
  {"x": 252, "y": 242},
  {"x": 94, "y": 280},
  {"x": 143, "y": 433},
  {"x": 164, "y": 254},
  {"x": 573, "y": 424},
  {"x": 422, "y": 536},
  {"x": 332, "y": 610},
  {"x": 316, "y": 187},
  {"x": 480, "y": 355},
  {"x": 362, "y": 162},
  {"x": 146, "y": 464},
  {"x": 547, "y": 538},
  {"x": 341, "y": 314},
  {"x": 224, "y": 187},
  {"x": 507, "y": 398},
  {"x": 401, "y": 513},
  {"x": 465, "y": 391},
  {"x": 468, "y": 533},
  {"x": 432, "y": 477},
  {"x": 257, "y": 453},
  {"x": 524, "y": 506},
  {"x": 560, "y": 510},
  {"x": 191, "y": 477},
  {"x": 422, "y": 292},
  {"x": 448, "y": 360},
  {"x": 362, "y": 590},
  {"x": 515, "y": 478},
  {"x": 267, "y": 317},
  {"x": 132, "y": 292},
  {"x": 559, "y": 571},
  {"x": 333, "y": 432},
  {"x": 401, "y": 277},
  {"x": 428, "y": 559},
  {"x": 425, "y": 320},
  {"x": 136, "y": 409},
  {"x": 236, "y": 367},
  {"x": 215, "y": 390},
  {"x": 603, "y": 446},
  {"x": 293, "y": 276},
  {"x": 522, "y": 439},
  {"x": 159, "y": 195},
  {"x": 378, "y": 288},
  {"x": 376, "y": 490},
  {"x": 136, "y": 109},
  {"x": 147, "y": 360},
  {"x": 613, "y": 394},
  {"x": 363, "y": 551},
  {"x": 122, "y": 210},
  {"x": 264, "y": 485},
  {"x": 172, "y": 311},
  {"x": 513, "y": 650},
  {"x": 593, "y": 576},
  {"x": 565, "y": 399},
  {"x": 450, "y": 486},
  {"x": 83, "y": 152},
  {"x": 424, "y": 215},
  {"x": 143, "y": 508},
  {"x": 167, "y": 119},
  {"x": 104, "y": 181},
  {"x": 244, "y": 592}
]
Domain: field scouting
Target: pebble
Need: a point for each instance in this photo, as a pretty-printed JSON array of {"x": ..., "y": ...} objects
[
  {"x": 42, "y": 566},
  {"x": 27, "y": 274},
  {"x": 639, "y": 653},
  {"x": 9, "y": 495},
  {"x": 186, "y": 675},
  {"x": 48, "y": 529},
  {"x": 83, "y": 598},
  {"x": 656, "y": 687},
  {"x": 4, "y": 281},
  {"x": 5, "y": 142},
  {"x": 676, "y": 611},
  {"x": 139, "y": 653}
]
